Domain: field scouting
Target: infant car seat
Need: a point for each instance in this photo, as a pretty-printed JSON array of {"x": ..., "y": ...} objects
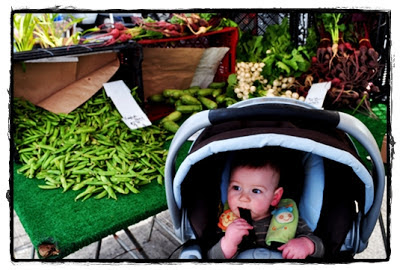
[{"x": 338, "y": 197}]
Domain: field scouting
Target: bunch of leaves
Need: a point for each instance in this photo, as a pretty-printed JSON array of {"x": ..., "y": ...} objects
[
  {"x": 226, "y": 22},
  {"x": 23, "y": 32},
  {"x": 250, "y": 48},
  {"x": 332, "y": 25},
  {"x": 50, "y": 32},
  {"x": 282, "y": 56}
]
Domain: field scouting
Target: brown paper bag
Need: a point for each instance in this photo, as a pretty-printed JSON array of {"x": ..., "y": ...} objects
[
  {"x": 61, "y": 87},
  {"x": 168, "y": 68}
]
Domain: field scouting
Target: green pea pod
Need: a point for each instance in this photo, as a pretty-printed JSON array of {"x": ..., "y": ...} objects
[
  {"x": 88, "y": 190},
  {"x": 208, "y": 103},
  {"x": 174, "y": 116},
  {"x": 229, "y": 101},
  {"x": 44, "y": 146},
  {"x": 42, "y": 159},
  {"x": 189, "y": 100},
  {"x": 48, "y": 186},
  {"x": 23, "y": 168},
  {"x": 68, "y": 185},
  {"x": 220, "y": 99},
  {"x": 101, "y": 195},
  {"x": 191, "y": 91},
  {"x": 85, "y": 130},
  {"x": 110, "y": 192},
  {"x": 132, "y": 188},
  {"x": 217, "y": 85},
  {"x": 156, "y": 98},
  {"x": 119, "y": 189},
  {"x": 95, "y": 183},
  {"x": 189, "y": 108},
  {"x": 205, "y": 92},
  {"x": 216, "y": 92},
  {"x": 173, "y": 93},
  {"x": 81, "y": 171},
  {"x": 80, "y": 185},
  {"x": 178, "y": 103},
  {"x": 53, "y": 137},
  {"x": 63, "y": 182},
  {"x": 170, "y": 126},
  {"x": 159, "y": 179},
  {"x": 101, "y": 111}
]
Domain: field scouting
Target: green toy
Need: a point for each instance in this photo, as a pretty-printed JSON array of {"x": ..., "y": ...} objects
[{"x": 284, "y": 222}]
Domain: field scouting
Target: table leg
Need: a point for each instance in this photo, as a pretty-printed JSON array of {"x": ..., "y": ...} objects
[
  {"x": 136, "y": 243},
  {"x": 125, "y": 247}
]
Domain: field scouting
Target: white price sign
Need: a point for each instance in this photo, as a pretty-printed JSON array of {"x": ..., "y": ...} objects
[
  {"x": 132, "y": 115},
  {"x": 316, "y": 94}
]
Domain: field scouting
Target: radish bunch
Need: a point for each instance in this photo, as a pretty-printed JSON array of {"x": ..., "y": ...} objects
[
  {"x": 118, "y": 33},
  {"x": 247, "y": 74},
  {"x": 283, "y": 87},
  {"x": 251, "y": 83}
]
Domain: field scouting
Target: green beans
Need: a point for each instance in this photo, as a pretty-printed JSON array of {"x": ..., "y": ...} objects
[{"x": 89, "y": 151}]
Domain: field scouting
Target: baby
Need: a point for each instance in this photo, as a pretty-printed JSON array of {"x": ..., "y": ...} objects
[{"x": 254, "y": 185}]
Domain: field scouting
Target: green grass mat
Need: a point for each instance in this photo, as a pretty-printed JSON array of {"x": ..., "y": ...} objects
[
  {"x": 53, "y": 217},
  {"x": 50, "y": 216},
  {"x": 378, "y": 127}
]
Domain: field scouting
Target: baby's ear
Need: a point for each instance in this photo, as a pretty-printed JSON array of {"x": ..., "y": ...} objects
[{"x": 277, "y": 196}]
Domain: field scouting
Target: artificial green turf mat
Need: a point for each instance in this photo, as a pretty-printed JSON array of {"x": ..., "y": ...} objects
[
  {"x": 378, "y": 127},
  {"x": 50, "y": 216}
]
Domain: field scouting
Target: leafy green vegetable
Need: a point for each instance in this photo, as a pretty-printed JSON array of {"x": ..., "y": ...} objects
[
  {"x": 23, "y": 32},
  {"x": 277, "y": 51},
  {"x": 50, "y": 33},
  {"x": 230, "y": 89},
  {"x": 277, "y": 37},
  {"x": 282, "y": 57},
  {"x": 250, "y": 48},
  {"x": 225, "y": 22},
  {"x": 331, "y": 25},
  {"x": 207, "y": 16}
]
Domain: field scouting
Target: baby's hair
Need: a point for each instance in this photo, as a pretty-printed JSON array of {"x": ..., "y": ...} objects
[{"x": 257, "y": 158}]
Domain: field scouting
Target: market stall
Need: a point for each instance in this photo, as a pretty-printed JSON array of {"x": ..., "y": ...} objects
[{"x": 81, "y": 172}]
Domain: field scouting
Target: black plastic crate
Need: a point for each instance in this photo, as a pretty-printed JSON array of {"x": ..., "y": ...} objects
[{"x": 130, "y": 55}]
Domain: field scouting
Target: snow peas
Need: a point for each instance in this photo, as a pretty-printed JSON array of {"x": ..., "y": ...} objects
[{"x": 89, "y": 151}]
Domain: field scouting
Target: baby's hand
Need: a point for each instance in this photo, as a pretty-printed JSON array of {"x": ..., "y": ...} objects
[
  {"x": 297, "y": 248},
  {"x": 233, "y": 236}
]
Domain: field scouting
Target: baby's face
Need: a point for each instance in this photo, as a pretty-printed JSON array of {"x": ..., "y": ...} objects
[{"x": 253, "y": 189}]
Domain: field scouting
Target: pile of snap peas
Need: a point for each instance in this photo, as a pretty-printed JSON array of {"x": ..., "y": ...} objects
[
  {"x": 191, "y": 100},
  {"x": 90, "y": 149}
]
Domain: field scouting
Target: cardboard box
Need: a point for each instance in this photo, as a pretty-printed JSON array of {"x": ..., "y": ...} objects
[{"x": 62, "y": 84}]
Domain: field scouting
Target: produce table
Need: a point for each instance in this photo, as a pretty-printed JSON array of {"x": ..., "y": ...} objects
[
  {"x": 50, "y": 216},
  {"x": 53, "y": 217}
]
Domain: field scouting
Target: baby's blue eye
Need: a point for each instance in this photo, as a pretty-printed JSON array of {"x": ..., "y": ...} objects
[{"x": 256, "y": 190}]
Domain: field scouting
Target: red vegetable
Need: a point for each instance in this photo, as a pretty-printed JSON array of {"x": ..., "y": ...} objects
[
  {"x": 119, "y": 26},
  {"x": 115, "y": 33}
]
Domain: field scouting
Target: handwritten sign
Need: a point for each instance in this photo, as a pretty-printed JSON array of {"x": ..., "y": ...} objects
[
  {"x": 316, "y": 94},
  {"x": 132, "y": 115}
]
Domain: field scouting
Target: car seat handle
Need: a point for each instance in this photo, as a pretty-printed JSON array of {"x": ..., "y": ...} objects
[{"x": 276, "y": 112}]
